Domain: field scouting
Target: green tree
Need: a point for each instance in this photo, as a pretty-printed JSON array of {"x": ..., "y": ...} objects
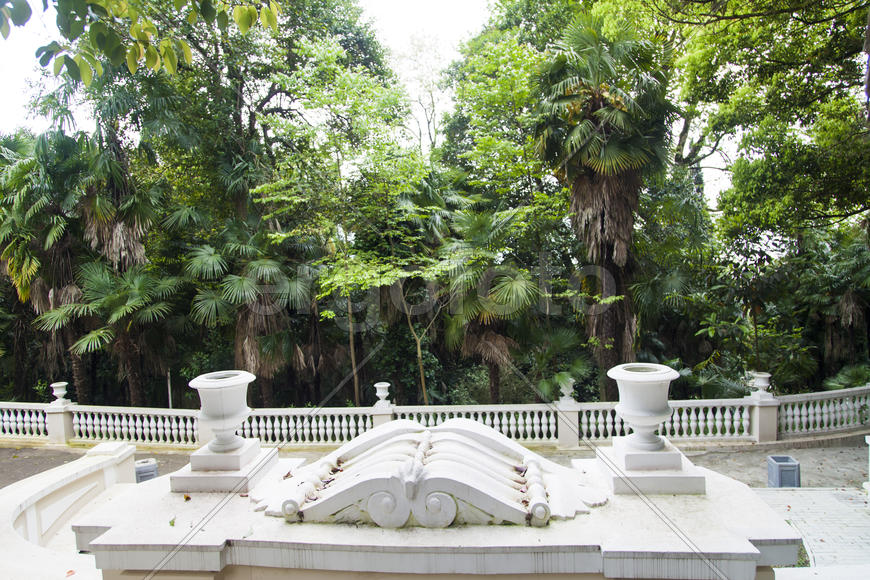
[
  {"x": 126, "y": 307},
  {"x": 604, "y": 126}
]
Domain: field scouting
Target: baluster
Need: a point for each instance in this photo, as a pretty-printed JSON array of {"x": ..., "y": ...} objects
[
  {"x": 595, "y": 424},
  {"x": 330, "y": 423},
  {"x": 297, "y": 432},
  {"x": 812, "y": 416},
  {"x": 551, "y": 425},
  {"x": 788, "y": 416},
  {"x": 718, "y": 421},
  {"x": 321, "y": 429},
  {"x": 140, "y": 427},
  {"x": 19, "y": 422},
  {"x": 281, "y": 429},
  {"x": 805, "y": 417},
  {"x": 160, "y": 428},
  {"x": 620, "y": 426},
  {"x": 343, "y": 427},
  {"x": 825, "y": 415},
  {"x": 729, "y": 430},
  {"x": 839, "y": 415},
  {"x": 76, "y": 426},
  {"x": 511, "y": 425},
  {"x": 693, "y": 423},
  {"x": 848, "y": 412},
  {"x": 522, "y": 425},
  {"x": 584, "y": 424},
  {"x": 829, "y": 414},
  {"x": 4, "y": 421},
  {"x": 683, "y": 423},
  {"x": 25, "y": 421},
  {"x": 311, "y": 428},
  {"x": 89, "y": 426},
  {"x": 667, "y": 428}
]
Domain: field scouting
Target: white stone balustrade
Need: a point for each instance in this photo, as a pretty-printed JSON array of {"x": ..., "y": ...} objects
[{"x": 565, "y": 422}]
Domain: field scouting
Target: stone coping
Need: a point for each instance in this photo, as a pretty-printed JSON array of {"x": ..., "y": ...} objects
[{"x": 729, "y": 531}]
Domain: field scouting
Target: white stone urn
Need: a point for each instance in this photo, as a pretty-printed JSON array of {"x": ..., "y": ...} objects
[
  {"x": 760, "y": 380},
  {"x": 59, "y": 392},
  {"x": 382, "y": 391},
  {"x": 643, "y": 401},
  {"x": 223, "y": 399}
]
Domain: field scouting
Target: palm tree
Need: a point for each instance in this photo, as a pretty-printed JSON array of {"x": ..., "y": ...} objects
[
  {"x": 46, "y": 184},
  {"x": 259, "y": 298},
  {"x": 604, "y": 127},
  {"x": 485, "y": 290},
  {"x": 129, "y": 305}
]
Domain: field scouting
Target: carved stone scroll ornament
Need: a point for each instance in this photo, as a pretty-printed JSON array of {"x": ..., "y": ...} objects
[{"x": 403, "y": 474}]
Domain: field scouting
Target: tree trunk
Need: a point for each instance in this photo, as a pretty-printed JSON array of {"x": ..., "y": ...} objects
[
  {"x": 494, "y": 383},
  {"x": 613, "y": 326},
  {"x": 81, "y": 381},
  {"x": 129, "y": 363},
  {"x": 267, "y": 391},
  {"x": 20, "y": 387},
  {"x": 352, "y": 344}
]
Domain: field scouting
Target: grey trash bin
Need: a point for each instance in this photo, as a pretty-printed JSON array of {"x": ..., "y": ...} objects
[
  {"x": 783, "y": 471},
  {"x": 146, "y": 469}
]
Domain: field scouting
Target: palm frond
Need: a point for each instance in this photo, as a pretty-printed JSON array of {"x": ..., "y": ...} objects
[
  {"x": 210, "y": 308},
  {"x": 93, "y": 341},
  {"x": 205, "y": 263},
  {"x": 239, "y": 289},
  {"x": 264, "y": 269}
]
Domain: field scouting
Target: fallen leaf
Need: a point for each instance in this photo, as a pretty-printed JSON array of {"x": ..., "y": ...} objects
[
  {"x": 243, "y": 495},
  {"x": 172, "y": 522},
  {"x": 70, "y": 573},
  {"x": 186, "y": 497}
]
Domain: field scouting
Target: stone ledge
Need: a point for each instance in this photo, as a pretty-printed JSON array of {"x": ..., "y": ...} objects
[{"x": 238, "y": 481}]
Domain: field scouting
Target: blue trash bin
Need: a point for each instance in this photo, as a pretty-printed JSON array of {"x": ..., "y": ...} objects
[{"x": 783, "y": 471}]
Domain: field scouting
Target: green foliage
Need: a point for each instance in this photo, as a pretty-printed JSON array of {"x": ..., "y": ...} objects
[{"x": 848, "y": 377}]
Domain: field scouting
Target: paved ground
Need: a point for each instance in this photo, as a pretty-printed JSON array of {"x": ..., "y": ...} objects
[
  {"x": 830, "y": 511},
  {"x": 834, "y": 522}
]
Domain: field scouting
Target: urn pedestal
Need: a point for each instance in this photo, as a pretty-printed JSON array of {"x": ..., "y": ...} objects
[
  {"x": 644, "y": 462},
  {"x": 228, "y": 462}
]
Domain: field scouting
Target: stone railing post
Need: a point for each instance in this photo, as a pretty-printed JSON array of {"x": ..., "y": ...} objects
[
  {"x": 567, "y": 412},
  {"x": 58, "y": 415},
  {"x": 764, "y": 416},
  {"x": 867, "y": 483},
  {"x": 382, "y": 410}
]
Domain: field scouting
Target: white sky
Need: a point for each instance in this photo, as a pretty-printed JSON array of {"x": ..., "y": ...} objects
[{"x": 19, "y": 68}]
